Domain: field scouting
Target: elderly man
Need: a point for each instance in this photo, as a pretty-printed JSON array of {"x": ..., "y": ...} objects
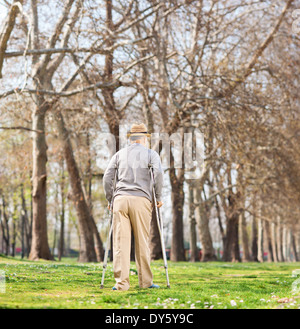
[{"x": 132, "y": 205}]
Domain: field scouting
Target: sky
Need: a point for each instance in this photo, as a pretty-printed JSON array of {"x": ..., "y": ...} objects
[{"x": 3, "y": 11}]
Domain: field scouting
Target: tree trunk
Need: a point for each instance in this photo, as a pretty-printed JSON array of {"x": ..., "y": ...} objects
[
  {"x": 202, "y": 217},
  {"x": 5, "y": 227},
  {"x": 2, "y": 232},
  {"x": 22, "y": 236},
  {"x": 88, "y": 196},
  {"x": 279, "y": 241},
  {"x": 98, "y": 242},
  {"x": 61, "y": 247},
  {"x": 14, "y": 228},
  {"x": 155, "y": 245},
  {"x": 260, "y": 247},
  {"x": 254, "y": 239},
  {"x": 267, "y": 230},
  {"x": 87, "y": 251},
  {"x": 220, "y": 223},
  {"x": 30, "y": 224},
  {"x": 274, "y": 242},
  {"x": 236, "y": 255},
  {"x": 293, "y": 246},
  {"x": 231, "y": 239},
  {"x": 231, "y": 247},
  {"x": 54, "y": 235},
  {"x": 39, "y": 244},
  {"x": 193, "y": 235},
  {"x": 245, "y": 239},
  {"x": 297, "y": 242},
  {"x": 26, "y": 223},
  {"x": 177, "y": 244},
  {"x": 285, "y": 243}
]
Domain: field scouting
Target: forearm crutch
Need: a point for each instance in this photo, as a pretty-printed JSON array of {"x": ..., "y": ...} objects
[
  {"x": 109, "y": 233},
  {"x": 160, "y": 226}
]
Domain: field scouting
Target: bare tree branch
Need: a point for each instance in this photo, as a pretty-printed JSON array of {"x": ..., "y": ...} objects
[
  {"x": 53, "y": 65},
  {"x": 259, "y": 51},
  {"x": 42, "y": 64},
  {"x": 20, "y": 128},
  {"x": 65, "y": 50},
  {"x": 6, "y": 30}
]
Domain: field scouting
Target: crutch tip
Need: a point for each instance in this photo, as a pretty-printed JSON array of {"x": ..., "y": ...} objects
[
  {"x": 101, "y": 287},
  {"x": 168, "y": 286}
]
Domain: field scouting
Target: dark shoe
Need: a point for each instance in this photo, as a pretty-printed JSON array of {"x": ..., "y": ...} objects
[
  {"x": 114, "y": 288},
  {"x": 154, "y": 286}
]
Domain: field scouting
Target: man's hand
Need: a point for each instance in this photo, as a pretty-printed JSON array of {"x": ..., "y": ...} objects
[{"x": 159, "y": 204}]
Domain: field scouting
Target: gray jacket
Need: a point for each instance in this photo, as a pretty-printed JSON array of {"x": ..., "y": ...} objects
[{"x": 133, "y": 175}]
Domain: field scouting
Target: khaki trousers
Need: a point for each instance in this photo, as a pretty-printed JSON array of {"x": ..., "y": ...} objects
[{"x": 131, "y": 212}]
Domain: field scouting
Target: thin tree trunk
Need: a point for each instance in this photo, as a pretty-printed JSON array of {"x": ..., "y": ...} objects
[
  {"x": 30, "y": 224},
  {"x": 56, "y": 220},
  {"x": 155, "y": 245},
  {"x": 98, "y": 242},
  {"x": 14, "y": 228},
  {"x": 231, "y": 247},
  {"x": 193, "y": 234},
  {"x": 2, "y": 232},
  {"x": 39, "y": 244},
  {"x": 68, "y": 246},
  {"x": 222, "y": 231},
  {"x": 274, "y": 242},
  {"x": 5, "y": 227},
  {"x": 254, "y": 239},
  {"x": 62, "y": 214},
  {"x": 22, "y": 236},
  {"x": 297, "y": 242},
  {"x": 289, "y": 245},
  {"x": 293, "y": 246},
  {"x": 260, "y": 247},
  {"x": 177, "y": 196},
  {"x": 27, "y": 225},
  {"x": 208, "y": 252},
  {"x": 54, "y": 235},
  {"x": 236, "y": 255},
  {"x": 88, "y": 196},
  {"x": 279, "y": 241},
  {"x": 245, "y": 239},
  {"x": 113, "y": 116},
  {"x": 87, "y": 251},
  {"x": 268, "y": 236},
  {"x": 284, "y": 243}
]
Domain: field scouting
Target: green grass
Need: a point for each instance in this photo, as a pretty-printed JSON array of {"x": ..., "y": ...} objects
[{"x": 217, "y": 285}]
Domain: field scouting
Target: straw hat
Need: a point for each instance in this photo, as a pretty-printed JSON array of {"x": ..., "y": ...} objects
[{"x": 138, "y": 130}]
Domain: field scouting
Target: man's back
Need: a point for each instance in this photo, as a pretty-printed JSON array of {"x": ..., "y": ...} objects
[{"x": 133, "y": 172}]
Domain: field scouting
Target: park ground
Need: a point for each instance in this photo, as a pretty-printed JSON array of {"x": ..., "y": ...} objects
[{"x": 214, "y": 285}]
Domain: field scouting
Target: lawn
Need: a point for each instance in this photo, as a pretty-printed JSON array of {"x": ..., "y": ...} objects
[{"x": 213, "y": 285}]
